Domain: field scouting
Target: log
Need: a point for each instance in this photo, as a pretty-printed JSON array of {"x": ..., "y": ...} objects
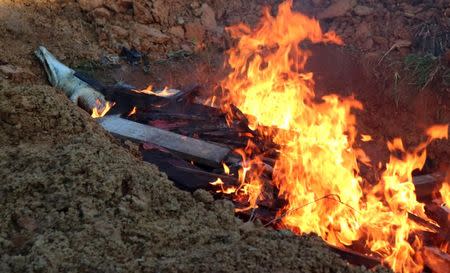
[{"x": 188, "y": 148}]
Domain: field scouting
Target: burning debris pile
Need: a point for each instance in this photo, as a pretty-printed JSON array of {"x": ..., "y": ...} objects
[
  {"x": 284, "y": 155},
  {"x": 288, "y": 157}
]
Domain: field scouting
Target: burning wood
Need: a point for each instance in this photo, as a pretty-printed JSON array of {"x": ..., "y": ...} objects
[{"x": 188, "y": 148}]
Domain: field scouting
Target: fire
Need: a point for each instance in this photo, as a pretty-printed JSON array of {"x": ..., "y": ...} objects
[
  {"x": 224, "y": 190},
  {"x": 366, "y": 138},
  {"x": 133, "y": 111},
  {"x": 166, "y": 92},
  {"x": 445, "y": 192},
  {"x": 317, "y": 168},
  {"x": 101, "y": 110}
]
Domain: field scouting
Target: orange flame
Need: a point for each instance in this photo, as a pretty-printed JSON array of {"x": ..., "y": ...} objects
[
  {"x": 317, "y": 171},
  {"x": 438, "y": 131},
  {"x": 101, "y": 110},
  {"x": 133, "y": 111},
  {"x": 224, "y": 190},
  {"x": 166, "y": 92}
]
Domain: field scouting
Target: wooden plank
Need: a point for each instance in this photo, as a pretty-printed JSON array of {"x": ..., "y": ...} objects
[{"x": 186, "y": 147}]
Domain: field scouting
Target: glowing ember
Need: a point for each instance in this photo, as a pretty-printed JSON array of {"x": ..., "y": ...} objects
[
  {"x": 101, "y": 110},
  {"x": 317, "y": 171}
]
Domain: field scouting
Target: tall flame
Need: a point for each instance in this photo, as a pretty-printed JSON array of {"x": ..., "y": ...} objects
[{"x": 317, "y": 170}]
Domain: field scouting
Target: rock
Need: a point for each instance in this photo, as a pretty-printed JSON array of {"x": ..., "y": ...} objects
[
  {"x": 177, "y": 31},
  {"x": 317, "y": 3},
  {"x": 337, "y": 9},
  {"x": 119, "y": 6},
  {"x": 368, "y": 44},
  {"x": 197, "y": 12},
  {"x": 180, "y": 20},
  {"x": 363, "y": 31},
  {"x": 194, "y": 32},
  {"x": 142, "y": 13},
  {"x": 446, "y": 57},
  {"x": 16, "y": 73},
  {"x": 187, "y": 48},
  {"x": 145, "y": 31},
  {"x": 203, "y": 196},
  {"x": 27, "y": 223},
  {"x": 208, "y": 18},
  {"x": 380, "y": 40},
  {"x": 102, "y": 13},
  {"x": 195, "y": 4},
  {"x": 363, "y": 10},
  {"x": 119, "y": 32},
  {"x": 447, "y": 12},
  {"x": 247, "y": 226},
  {"x": 161, "y": 12},
  {"x": 88, "y": 5}
]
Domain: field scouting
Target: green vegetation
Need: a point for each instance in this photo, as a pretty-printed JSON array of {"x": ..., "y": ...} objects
[{"x": 421, "y": 70}]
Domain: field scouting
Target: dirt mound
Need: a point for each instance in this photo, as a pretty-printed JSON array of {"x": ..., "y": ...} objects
[
  {"x": 73, "y": 200},
  {"x": 59, "y": 25}
]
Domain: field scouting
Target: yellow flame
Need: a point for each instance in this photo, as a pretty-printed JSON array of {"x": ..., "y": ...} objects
[
  {"x": 133, "y": 111},
  {"x": 445, "y": 191},
  {"x": 166, "y": 92},
  {"x": 366, "y": 138},
  {"x": 101, "y": 111},
  {"x": 219, "y": 182},
  {"x": 226, "y": 169}
]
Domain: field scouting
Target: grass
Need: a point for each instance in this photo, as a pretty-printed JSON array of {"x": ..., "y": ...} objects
[{"x": 422, "y": 70}]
